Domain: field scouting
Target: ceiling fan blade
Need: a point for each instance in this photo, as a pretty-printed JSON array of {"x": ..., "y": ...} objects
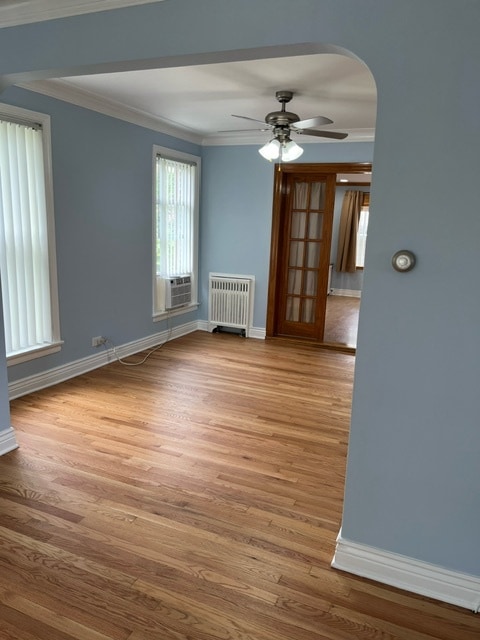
[
  {"x": 323, "y": 134},
  {"x": 247, "y": 118},
  {"x": 312, "y": 122},
  {"x": 240, "y": 130}
]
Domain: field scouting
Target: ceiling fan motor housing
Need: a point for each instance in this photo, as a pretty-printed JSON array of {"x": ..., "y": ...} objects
[{"x": 282, "y": 118}]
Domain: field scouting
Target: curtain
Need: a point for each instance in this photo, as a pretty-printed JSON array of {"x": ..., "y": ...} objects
[
  {"x": 24, "y": 261},
  {"x": 347, "y": 238}
]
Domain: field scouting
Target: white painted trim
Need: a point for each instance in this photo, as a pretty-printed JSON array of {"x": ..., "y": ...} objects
[
  {"x": 29, "y": 116},
  {"x": 8, "y": 441},
  {"x": 62, "y": 91},
  {"x": 27, "y": 11},
  {"x": 350, "y": 293},
  {"x": 400, "y": 571},
  {"x": 257, "y": 332},
  {"x": 254, "y": 332},
  {"x": 78, "y": 367},
  {"x": 172, "y": 313},
  {"x": 217, "y": 274}
]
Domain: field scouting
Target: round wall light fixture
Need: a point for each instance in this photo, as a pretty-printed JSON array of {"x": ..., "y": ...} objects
[{"x": 403, "y": 260}]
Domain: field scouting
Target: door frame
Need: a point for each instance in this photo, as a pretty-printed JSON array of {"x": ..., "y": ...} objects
[{"x": 279, "y": 191}]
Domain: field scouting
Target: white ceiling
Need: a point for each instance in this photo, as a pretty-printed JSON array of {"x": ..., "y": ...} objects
[{"x": 197, "y": 102}]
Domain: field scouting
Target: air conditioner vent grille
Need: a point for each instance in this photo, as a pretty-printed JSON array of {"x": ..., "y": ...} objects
[{"x": 178, "y": 291}]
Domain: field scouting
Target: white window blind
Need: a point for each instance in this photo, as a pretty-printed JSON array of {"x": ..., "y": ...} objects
[
  {"x": 176, "y": 194},
  {"x": 175, "y": 216},
  {"x": 24, "y": 240}
]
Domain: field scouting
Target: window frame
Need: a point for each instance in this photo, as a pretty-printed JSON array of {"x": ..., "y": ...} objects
[
  {"x": 178, "y": 156},
  {"x": 26, "y": 116}
]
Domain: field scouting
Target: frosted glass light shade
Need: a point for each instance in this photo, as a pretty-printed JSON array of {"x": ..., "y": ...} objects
[
  {"x": 291, "y": 151},
  {"x": 286, "y": 151},
  {"x": 270, "y": 151}
]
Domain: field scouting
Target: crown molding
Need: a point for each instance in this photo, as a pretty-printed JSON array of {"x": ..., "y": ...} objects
[
  {"x": 26, "y": 11},
  {"x": 81, "y": 98}
]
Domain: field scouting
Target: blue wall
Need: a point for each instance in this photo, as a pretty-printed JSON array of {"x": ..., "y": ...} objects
[
  {"x": 102, "y": 170},
  {"x": 237, "y": 210},
  {"x": 413, "y": 471}
]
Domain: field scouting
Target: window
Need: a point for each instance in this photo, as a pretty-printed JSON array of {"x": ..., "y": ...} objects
[
  {"x": 27, "y": 247},
  {"x": 176, "y": 197},
  {"x": 362, "y": 232}
]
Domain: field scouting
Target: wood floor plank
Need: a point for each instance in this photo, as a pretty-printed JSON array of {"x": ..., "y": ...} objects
[{"x": 195, "y": 497}]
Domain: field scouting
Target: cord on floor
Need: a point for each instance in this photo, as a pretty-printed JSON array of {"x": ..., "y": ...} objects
[{"x": 144, "y": 359}]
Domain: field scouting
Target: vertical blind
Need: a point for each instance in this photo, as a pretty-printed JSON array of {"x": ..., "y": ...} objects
[
  {"x": 175, "y": 204},
  {"x": 24, "y": 261}
]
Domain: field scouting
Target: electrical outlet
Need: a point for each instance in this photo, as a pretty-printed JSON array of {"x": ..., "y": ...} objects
[{"x": 98, "y": 341}]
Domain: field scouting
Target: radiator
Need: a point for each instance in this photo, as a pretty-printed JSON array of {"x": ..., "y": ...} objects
[{"x": 230, "y": 302}]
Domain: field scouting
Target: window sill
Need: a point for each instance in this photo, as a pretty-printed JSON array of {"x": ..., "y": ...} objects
[
  {"x": 36, "y": 352},
  {"x": 171, "y": 313}
]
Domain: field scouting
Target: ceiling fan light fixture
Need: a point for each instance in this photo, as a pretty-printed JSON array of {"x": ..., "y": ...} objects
[
  {"x": 291, "y": 151},
  {"x": 271, "y": 150},
  {"x": 285, "y": 150}
]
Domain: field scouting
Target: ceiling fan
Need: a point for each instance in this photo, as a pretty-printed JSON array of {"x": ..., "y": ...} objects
[{"x": 282, "y": 123}]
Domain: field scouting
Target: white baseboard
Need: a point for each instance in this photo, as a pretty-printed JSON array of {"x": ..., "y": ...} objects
[
  {"x": 257, "y": 332},
  {"x": 105, "y": 356},
  {"x": 351, "y": 293},
  {"x": 8, "y": 441},
  {"x": 253, "y": 332},
  {"x": 407, "y": 573}
]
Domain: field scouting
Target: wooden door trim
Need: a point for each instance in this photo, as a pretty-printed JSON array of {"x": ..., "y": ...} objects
[
  {"x": 322, "y": 167},
  {"x": 278, "y": 187},
  {"x": 281, "y": 170}
]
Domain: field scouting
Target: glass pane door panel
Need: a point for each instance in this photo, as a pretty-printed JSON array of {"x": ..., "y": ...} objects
[
  {"x": 308, "y": 311},
  {"x": 313, "y": 255},
  {"x": 296, "y": 253},
  {"x": 295, "y": 281},
  {"x": 315, "y": 226},
  {"x": 310, "y": 283},
  {"x": 292, "y": 313},
  {"x": 317, "y": 195},
  {"x": 299, "y": 219},
  {"x": 300, "y": 195}
]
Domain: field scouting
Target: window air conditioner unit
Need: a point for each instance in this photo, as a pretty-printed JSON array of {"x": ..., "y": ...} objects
[{"x": 178, "y": 291}]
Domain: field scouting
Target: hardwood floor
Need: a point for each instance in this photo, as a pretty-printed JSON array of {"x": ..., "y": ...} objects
[
  {"x": 196, "y": 497},
  {"x": 341, "y": 320}
]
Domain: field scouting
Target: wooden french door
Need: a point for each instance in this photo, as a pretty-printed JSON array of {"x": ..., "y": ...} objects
[{"x": 301, "y": 238}]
